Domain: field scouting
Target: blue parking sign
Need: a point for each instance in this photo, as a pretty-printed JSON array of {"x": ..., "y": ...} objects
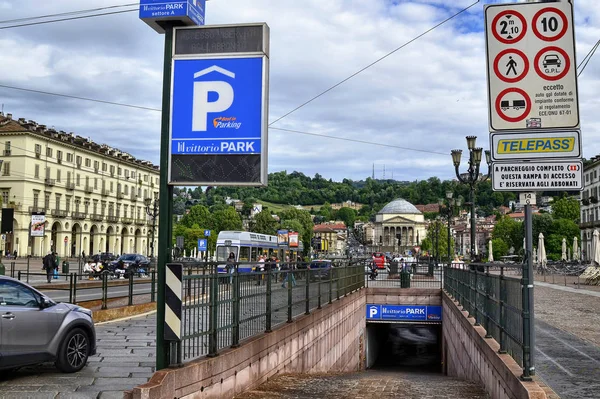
[
  {"x": 217, "y": 106},
  {"x": 206, "y": 233},
  {"x": 202, "y": 244}
]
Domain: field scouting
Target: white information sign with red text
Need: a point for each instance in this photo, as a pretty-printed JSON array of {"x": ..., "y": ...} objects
[{"x": 532, "y": 77}]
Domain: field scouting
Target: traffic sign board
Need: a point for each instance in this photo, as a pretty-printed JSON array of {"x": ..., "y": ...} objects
[
  {"x": 535, "y": 144},
  {"x": 532, "y": 81},
  {"x": 202, "y": 244},
  {"x": 527, "y": 198},
  {"x": 538, "y": 176}
]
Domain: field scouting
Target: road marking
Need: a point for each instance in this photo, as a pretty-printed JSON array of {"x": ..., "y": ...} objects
[
  {"x": 567, "y": 344},
  {"x": 554, "y": 362}
]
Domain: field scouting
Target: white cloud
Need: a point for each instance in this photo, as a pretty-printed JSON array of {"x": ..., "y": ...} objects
[{"x": 428, "y": 95}]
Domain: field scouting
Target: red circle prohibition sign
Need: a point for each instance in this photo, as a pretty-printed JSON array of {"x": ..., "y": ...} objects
[
  {"x": 549, "y": 38},
  {"x": 506, "y": 78},
  {"x": 536, "y": 63},
  {"x": 509, "y": 118},
  {"x": 516, "y": 38}
]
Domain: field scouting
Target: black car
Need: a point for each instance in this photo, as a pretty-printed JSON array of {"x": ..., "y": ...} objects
[
  {"x": 103, "y": 257},
  {"x": 132, "y": 263},
  {"x": 320, "y": 269}
]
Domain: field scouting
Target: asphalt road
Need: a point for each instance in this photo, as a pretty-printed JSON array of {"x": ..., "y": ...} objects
[{"x": 569, "y": 365}]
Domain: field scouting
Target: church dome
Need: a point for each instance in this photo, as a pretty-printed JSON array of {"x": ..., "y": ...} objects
[{"x": 399, "y": 206}]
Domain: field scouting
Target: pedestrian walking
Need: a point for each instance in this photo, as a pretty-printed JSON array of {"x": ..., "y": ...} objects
[
  {"x": 289, "y": 276},
  {"x": 49, "y": 265},
  {"x": 230, "y": 266}
]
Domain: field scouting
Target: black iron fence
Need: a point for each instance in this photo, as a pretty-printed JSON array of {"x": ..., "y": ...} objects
[
  {"x": 103, "y": 288},
  {"x": 220, "y": 309},
  {"x": 423, "y": 274},
  {"x": 494, "y": 299}
]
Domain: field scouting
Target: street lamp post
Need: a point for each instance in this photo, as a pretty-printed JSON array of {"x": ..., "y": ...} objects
[
  {"x": 448, "y": 212},
  {"x": 152, "y": 211},
  {"x": 472, "y": 178}
]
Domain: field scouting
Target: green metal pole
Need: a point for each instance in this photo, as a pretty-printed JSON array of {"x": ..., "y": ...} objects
[{"x": 166, "y": 194}]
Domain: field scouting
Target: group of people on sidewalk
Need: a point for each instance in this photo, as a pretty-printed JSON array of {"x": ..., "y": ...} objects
[{"x": 50, "y": 265}]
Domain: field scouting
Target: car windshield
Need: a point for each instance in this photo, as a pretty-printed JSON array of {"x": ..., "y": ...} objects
[{"x": 127, "y": 258}]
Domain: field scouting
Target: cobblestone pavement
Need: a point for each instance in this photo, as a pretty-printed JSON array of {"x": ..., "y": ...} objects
[
  {"x": 125, "y": 359},
  {"x": 378, "y": 384}
]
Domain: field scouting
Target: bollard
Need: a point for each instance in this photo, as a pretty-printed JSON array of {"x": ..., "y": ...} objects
[
  {"x": 12, "y": 269},
  {"x": 268, "y": 308},
  {"x": 130, "y": 299},
  {"x": 27, "y": 278},
  {"x": 153, "y": 286}
]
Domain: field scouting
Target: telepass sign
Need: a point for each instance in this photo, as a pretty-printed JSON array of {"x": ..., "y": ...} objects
[{"x": 531, "y": 68}]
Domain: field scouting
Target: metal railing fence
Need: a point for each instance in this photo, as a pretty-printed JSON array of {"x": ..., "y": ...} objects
[
  {"x": 220, "y": 310},
  {"x": 101, "y": 289},
  {"x": 494, "y": 300},
  {"x": 406, "y": 275}
]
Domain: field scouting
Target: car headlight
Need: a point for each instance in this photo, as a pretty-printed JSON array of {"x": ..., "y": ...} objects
[{"x": 83, "y": 310}]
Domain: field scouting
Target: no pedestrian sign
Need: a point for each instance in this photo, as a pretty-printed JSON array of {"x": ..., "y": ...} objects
[{"x": 532, "y": 81}]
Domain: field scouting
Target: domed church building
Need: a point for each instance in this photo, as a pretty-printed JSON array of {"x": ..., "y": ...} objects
[{"x": 399, "y": 227}]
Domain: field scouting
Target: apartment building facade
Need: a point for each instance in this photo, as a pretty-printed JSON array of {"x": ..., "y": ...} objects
[
  {"x": 93, "y": 196},
  {"x": 590, "y": 206}
]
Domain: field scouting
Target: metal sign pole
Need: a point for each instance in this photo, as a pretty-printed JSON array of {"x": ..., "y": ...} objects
[
  {"x": 527, "y": 287},
  {"x": 165, "y": 219}
]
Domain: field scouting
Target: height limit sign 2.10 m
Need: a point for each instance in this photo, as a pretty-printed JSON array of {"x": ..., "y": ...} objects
[{"x": 532, "y": 80}]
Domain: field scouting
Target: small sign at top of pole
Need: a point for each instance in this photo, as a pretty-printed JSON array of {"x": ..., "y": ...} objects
[{"x": 188, "y": 12}]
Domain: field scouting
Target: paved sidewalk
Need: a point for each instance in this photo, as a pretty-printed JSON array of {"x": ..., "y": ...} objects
[
  {"x": 568, "y": 289},
  {"x": 125, "y": 359}
]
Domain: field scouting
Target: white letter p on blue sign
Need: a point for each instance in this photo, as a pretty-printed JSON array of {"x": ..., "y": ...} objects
[
  {"x": 202, "y": 107},
  {"x": 373, "y": 312}
]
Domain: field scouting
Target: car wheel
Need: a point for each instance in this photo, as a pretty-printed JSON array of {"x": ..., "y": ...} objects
[{"x": 73, "y": 352}]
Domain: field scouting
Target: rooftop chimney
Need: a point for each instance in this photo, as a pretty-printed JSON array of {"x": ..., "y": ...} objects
[{"x": 9, "y": 116}]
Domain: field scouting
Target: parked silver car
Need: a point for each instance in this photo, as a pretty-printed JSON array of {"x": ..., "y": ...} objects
[{"x": 35, "y": 329}]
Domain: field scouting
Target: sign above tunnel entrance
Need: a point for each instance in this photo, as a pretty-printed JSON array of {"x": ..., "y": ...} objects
[
  {"x": 531, "y": 69},
  {"x": 404, "y": 312}
]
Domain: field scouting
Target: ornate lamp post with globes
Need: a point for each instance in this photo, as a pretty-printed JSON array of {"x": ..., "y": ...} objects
[
  {"x": 152, "y": 211},
  {"x": 471, "y": 178},
  {"x": 448, "y": 212}
]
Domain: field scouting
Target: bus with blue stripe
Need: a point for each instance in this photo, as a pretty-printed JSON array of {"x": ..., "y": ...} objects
[{"x": 247, "y": 247}]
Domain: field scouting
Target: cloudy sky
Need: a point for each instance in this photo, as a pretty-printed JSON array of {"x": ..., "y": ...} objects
[{"x": 414, "y": 106}]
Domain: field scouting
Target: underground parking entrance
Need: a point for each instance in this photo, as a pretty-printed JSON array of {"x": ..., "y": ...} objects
[{"x": 404, "y": 346}]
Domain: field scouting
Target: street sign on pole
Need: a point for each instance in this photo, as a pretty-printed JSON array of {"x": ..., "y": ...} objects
[
  {"x": 187, "y": 12},
  {"x": 538, "y": 176},
  {"x": 218, "y": 132},
  {"x": 206, "y": 233},
  {"x": 527, "y": 198},
  {"x": 202, "y": 244},
  {"x": 532, "y": 144},
  {"x": 532, "y": 77}
]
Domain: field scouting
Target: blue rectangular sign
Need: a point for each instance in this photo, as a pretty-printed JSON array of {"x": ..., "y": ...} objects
[
  {"x": 189, "y": 12},
  {"x": 202, "y": 244},
  {"x": 206, "y": 233},
  {"x": 404, "y": 312},
  {"x": 217, "y": 106}
]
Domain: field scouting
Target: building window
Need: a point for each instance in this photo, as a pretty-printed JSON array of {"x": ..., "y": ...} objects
[
  {"x": 139, "y": 192},
  {"x": 87, "y": 182},
  {"x": 112, "y": 170},
  {"x": 111, "y": 209},
  {"x": 47, "y": 200},
  {"x": 58, "y": 175},
  {"x": 104, "y": 166},
  {"x": 77, "y": 179},
  {"x": 133, "y": 174},
  {"x": 38, "y": 150},
  {"x": 78, "y": 161},
  {"x": 86, "y": 204},
  {"x": 5, "y": 197},
  {"x": 95, "y": 207},
  {"x": 119, "y": 171},
  {"x": 68, "y": 177},
  {"x": 587, "y": 177},
  {"x": 112, "y": 186},
  {"x": 59, "y": 156},
  {"x": 127, "y": 173},
  {"x": 95, "y": 183},
  {"x": 36, "y": 171},
  {"x": 118, "y": 209},
  {"x": 68, "y": 204},
  {"x": 125, "y": 211},
  {"x": 69, "y": 157},
  {"x": 36, "y": 199},
  {"x": 126, "y": 190},
  {"x": 57, "y": 197},
  {"x": 88, "y": 163},
  {"x": 6, "y": 169},
  {"x": 7, "y": 150},
  {"x": 77, "y": 203},
  {"x": 48, "y": 152},
  {"x": 47, "y": 173},
  {"x": 146, "y": 178},
  {"x": 96, "y": 165}
]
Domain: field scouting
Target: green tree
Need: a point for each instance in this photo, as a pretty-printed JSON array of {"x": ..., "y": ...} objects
[
  {"x": 510, "y": 231},
  {"x": 566, "y": 208},
  {"x": 499, "y": 248},
  {"x": 326, "y": 211},
  {"x": 305, "y": 220},
  {"x": 226, "y": 219},
  {"x": 347, "y": 215},
  {"x": 198, "y": 215},
  {"x": 264, "y": 223},
  {"x": 437, "y": 237}
]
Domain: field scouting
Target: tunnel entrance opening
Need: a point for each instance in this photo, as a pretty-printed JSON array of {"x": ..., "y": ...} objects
[{"x": 410, "y": 347}]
